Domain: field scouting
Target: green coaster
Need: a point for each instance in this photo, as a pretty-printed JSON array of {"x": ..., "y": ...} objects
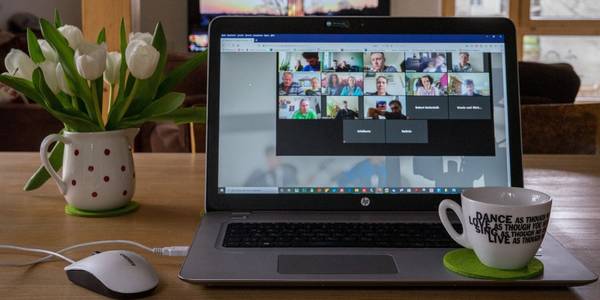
[
  {"x": 465, "y": 262},
  {"x": 73, "y": 211}
]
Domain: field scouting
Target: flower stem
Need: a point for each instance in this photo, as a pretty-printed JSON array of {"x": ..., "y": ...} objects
[
  {"x": 128, "y": 100},
  {"x": 74, "y": 102},
  {"x": 111, "y": 92},
  {"x": 96, "y": 105}
]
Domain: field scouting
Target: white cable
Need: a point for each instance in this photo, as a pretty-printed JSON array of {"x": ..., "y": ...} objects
[
  {"x": 164, "y": 251},
  {"x": 11, "y": 247}
]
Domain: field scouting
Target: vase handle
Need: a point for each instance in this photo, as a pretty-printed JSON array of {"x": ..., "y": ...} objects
[{"x": 62, "y": 186}]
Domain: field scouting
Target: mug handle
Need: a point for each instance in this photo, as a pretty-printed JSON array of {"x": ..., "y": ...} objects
[
  {"x": 62, "y": 186},
  {"x": 443, "y": 212}
]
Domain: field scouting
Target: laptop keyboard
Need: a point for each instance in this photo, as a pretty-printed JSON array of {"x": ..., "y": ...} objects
[{"x": 307, "y": 235}]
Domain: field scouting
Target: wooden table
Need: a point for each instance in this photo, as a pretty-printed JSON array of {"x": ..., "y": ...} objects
[{"x": 169, "y": 189}]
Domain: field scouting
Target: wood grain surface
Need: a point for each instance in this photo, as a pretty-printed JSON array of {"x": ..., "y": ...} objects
[{"x": 170, "y": 189}]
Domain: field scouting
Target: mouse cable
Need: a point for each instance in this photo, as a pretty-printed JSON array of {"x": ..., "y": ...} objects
[{"x": 161, "y": 251}]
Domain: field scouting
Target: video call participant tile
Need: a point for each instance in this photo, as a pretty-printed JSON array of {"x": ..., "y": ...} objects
[
  {"x": 300, "y": 61},
  {"x": 299, "y": 83},
  {"x": 474, "y": 108},
  {"x": 426, "y": 84},
  {"x": 466, "y": 61},
  {"x": 428, "y": 62},
  {"x": 342, "y": 84},
  {"x": 342, "y": 108},
  {"x": 343, "y": 61},
  {"x": 384, "y": 107},
  {"x": 383, "y": 62},
  {"x": 384, "y": 84},
  {"x": 364, "y": 131},
  {"x": 427, "y": 107},
  {"x": 299, "y": 107},
  {"x": 469, "y": 84},
  {"x": 406, "y": 131}
]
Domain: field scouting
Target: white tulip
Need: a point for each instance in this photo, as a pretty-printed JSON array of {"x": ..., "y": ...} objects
[
  {"x": 144, "y": 36},
  {"x": 72, "y": 34},
  {"x": 61, "y": 80},
  {"x": 90, "y": 60},
  {"x": 19, "y": 64},
  {"x": 141, "y": 59},
  {"x": 113, "y": 66},
  {"x": 49, "y": 52},
  {"x": 49, "y": 71}
]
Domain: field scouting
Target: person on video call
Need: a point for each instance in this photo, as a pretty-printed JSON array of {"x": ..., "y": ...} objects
[
  {"x": 470, "y": 88},
  {"x": 379, "y": 111},
  {"x": 378, "y": 63},
  {"x": 396, "y": 111},
  {"x": 315, "y": 88},
  {"x": 304, "y": 112},
  {"x": 333, "y": 85},
  {"x": 439, "y": 64},
  {"x": 276, "y": 174},
  {"x": 345, "y": 113},
  {"x": 426, "y": 87},
  {"x": 351, "y": 89},
  {"x": 298, "y": 66},
  {"x": 312, "y": 58},
  {"x": 463, "y": 63},
  {"x": 381, "y": 83},
  {"x": 288, "y": 86}
]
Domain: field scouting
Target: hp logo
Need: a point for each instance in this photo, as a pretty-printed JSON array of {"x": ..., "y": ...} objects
[{"x": 365, "y": 201}]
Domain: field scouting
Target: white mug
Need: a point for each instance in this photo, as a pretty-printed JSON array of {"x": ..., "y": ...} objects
[
  {"x": 504, "y": 226},
  {"x": 97, "y": 171}
]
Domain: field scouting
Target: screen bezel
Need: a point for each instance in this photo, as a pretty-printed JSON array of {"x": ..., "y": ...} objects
[{"x": 215, "y": 201}]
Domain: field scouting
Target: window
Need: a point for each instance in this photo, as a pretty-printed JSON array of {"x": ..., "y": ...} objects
[{"x": 548, "y": 31}]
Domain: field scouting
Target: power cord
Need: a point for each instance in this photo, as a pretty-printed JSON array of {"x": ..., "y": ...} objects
[{"x": 161, "y": 251}]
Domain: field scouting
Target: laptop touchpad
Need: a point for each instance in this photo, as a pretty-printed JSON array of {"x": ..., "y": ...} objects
[{"x": 336, "y": 264}]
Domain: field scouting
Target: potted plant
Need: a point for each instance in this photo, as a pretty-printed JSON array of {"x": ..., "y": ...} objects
[{"x": 65, "y": 75}]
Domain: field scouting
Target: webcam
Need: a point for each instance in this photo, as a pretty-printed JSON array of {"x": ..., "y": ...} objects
[{"x": 337, "y": 24}]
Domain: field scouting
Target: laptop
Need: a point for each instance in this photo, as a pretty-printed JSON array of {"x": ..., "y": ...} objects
[{"x": 331, "y": 142}]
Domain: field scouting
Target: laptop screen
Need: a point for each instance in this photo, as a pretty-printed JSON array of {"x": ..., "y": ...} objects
[{"x": 362, "y": 113}]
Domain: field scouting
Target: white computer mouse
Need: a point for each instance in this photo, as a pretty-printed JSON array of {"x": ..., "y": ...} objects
[{"x": 116, "y": 274}]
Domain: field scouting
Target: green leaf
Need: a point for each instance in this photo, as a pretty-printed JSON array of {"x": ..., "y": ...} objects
[
  {"x": 35, "y": 51},
  {"x": 179, "y": 73},
  {"x": 24, "y": 86},
  {"x": 123, "y": 70},
  {"x": 41, "y": 175},
  {"x": 39, "y": 82},
  {"x": 163, "y": 105},
  {"x": 195, "y": 114},
  {"x": 101, "y": 36},
  {"x": 57, "y": 20}
]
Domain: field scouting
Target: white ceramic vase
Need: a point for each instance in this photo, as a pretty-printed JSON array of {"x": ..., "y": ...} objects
[{"x": 98, "y": 172}]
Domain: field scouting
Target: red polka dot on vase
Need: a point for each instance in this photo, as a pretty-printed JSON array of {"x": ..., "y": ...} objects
[
  {"x": 125, "y": 193},
  {"x": 94, "y": 194},
  {"x": 91, "y": 168},
  {"x": 106, "y": 179},
  {"x": 123, "y": 168},
  {"x": 73, "y": 182},
  {"x": 76, "y": 152},
  {"x": 107, "y": 152}
]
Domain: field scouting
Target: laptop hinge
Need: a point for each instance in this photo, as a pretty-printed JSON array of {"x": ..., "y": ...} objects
[{"x": 240, "y": 215}]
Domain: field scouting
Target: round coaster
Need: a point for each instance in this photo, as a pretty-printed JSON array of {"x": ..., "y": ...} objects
[
  {"x": 73, "y": 211},
  {"x": 464, "y": 262}
]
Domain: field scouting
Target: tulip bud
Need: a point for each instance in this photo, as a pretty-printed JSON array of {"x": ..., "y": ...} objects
[
  {"x": 72, "y": 34},
  {"x": 61, "y": 80},
  {"x": 144, "y": 36},
  {"x": 49, "y": 52},
  {"x": 90, "y": 60},
  {"x": 49, "y": 70},
  {"x": 113, "y": 66},
  {"x": 19, "y": 64},
  {"x": 141, "y": 59}
]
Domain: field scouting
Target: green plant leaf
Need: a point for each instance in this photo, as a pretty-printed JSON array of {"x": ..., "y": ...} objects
[
  {"x": 179, "y": 73},
  {"x": 195, "y": 114},
  {"x": 24, "y": 86},
  {"x": 123, "y": 70},
  {"x": 41, "y": 175},
  {"x": 39, "y": 82},
  {"x": 57, "y": 20},
  {"x": 101, "y": 36},
  {"x": 35, "y": 51},
  {"x": 163, "y": 105}
]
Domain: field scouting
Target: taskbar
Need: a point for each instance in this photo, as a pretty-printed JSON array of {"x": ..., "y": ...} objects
[{"x": 340, "y": 190}]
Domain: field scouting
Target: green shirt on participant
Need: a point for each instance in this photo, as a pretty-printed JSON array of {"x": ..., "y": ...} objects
[{"x": 309, "y": 115}]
